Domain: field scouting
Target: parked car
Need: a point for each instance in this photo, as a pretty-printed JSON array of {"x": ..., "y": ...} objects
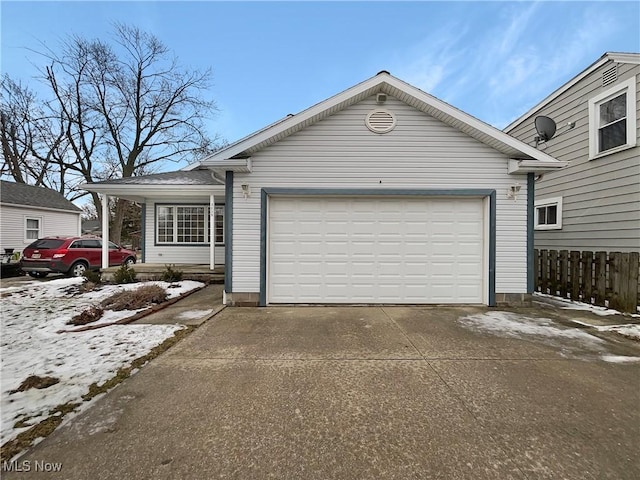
[{"x": 71, "y": 256}]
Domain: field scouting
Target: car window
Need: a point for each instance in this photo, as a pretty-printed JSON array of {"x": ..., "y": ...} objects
[
  {"x": 46, "y": 243},
  {"x": 91, "y": 244},
  {"x": 113, "y": 246},
  {"x": 76, "y": 244}
]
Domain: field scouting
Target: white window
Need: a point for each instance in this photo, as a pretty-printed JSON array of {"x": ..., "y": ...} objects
[
  {"x": 612, "y": 119},
  {"x": 32, "y": 228},
  {"x": 187, "y": 224},
  {"x": 549, "y": 214}
]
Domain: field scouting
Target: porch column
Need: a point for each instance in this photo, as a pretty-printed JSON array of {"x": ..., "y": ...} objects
[
  {"x": 212, "y": 232},
  {"x": 105, "y": 231}
]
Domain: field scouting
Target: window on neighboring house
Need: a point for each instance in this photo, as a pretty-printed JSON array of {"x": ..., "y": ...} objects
[
  {"x": 612, "y": 119},
  {"x": 187, "y": 224},
  {"x": 548, "y": 214},
  {"x": 32, "y": 228}
]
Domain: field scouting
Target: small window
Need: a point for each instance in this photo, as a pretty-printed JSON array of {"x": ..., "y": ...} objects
[
  {"x": 612, "y": 119},
  {"x": 32, "y": 228},
  {"x": 548, "y": 214}
]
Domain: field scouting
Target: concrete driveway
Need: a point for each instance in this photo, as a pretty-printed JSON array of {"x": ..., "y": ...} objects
[{"x": 365, "y": 393}]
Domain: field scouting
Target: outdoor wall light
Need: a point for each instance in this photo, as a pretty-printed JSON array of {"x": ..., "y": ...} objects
[
  {"x": 513, "y": 191},
  {"x": 246, "y": 190}
]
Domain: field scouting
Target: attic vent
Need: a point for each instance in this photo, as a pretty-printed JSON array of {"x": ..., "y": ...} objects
[
  {"x": 610, "y": 76},
  {"x": 380, "y": 121}
]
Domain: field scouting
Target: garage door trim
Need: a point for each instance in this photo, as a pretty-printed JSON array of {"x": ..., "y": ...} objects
[{"x": 266, "y": 192}]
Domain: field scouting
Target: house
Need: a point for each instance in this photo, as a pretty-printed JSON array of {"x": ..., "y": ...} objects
[
  {"x": 379, "y": 194},
  {"x": 28, "y": 213},
  {"x": 594, "y": 203}
]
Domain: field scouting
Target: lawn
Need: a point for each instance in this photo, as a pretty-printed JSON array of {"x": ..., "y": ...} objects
[{"x": 47, "y": 369}]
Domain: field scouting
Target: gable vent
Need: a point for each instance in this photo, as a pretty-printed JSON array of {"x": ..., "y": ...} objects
[
  {"x": 610, "y": 76},
  {"x": 380, "y": 121}
]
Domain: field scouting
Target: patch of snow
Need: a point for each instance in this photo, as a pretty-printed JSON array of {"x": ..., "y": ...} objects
[
  {"x": 619, "y": 359},
  {"x": 194, "y": 314},
  {"x": 629, "y": 330},
  {"x": 32, "y": 315},
  {"x": 515, "y": 325},
  {"x": 574, "y": 305}
]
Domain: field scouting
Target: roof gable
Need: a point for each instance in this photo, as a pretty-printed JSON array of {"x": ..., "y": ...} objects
[
  {"x": 383, "y": 82},
  {"x": 615, "y": 57},
  {"x": 28, "y": 195}
]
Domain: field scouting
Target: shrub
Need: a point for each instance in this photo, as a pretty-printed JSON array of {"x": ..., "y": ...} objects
[
  {"x": 135, "y": 299},
  {"x": 171, "y": 275},
  {"x": 92, "y": 276},
  {"x": 124, "y": 274},
  {"x": 89, "y": 315}
]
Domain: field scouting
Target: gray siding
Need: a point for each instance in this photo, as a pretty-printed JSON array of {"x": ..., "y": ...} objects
[
  {"x": 601, "y": 197},
  {"x": 12, "y": 232},
  {"x": 421, "y": 152},
  {"x": 178, "y": 254}
]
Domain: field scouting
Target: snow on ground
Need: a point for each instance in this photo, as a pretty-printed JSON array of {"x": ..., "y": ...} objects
[
  {"x": 573, "y": 305},
  {"x": 627, "y": 330},
  {"x": 574, "y": 342},
  {"x": 33, "y": 313}
]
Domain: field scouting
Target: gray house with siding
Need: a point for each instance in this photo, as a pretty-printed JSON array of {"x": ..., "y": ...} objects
[
  {"x": 594, "y": 203},
  {"x": 28, "y": 213},
  {"x": 379, "y": 194}
]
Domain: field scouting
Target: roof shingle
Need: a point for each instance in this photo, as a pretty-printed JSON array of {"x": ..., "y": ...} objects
[{"x": 22, "y": 194}]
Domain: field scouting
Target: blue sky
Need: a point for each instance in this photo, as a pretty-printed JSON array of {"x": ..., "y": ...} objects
[{"x": 493, "y": 60}]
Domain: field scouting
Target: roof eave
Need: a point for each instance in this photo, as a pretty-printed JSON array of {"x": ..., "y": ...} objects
[{"x": 534, "y": 166}]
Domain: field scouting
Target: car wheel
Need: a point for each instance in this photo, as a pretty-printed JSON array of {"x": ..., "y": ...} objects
[
  {"x": 38, "y": 274},
  {"x": 130, "y": 261},
  {"x": 78, "y": 269}
]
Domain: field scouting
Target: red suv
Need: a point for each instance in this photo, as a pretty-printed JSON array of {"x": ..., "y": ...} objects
[{"x": 70, "y": 255}]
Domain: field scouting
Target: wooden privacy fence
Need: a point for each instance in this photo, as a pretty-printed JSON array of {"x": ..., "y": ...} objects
[{"x": 600, "y": 278}]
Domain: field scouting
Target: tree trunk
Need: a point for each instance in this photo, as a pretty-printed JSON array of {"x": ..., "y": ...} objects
[{"x": 115, "y": 233}]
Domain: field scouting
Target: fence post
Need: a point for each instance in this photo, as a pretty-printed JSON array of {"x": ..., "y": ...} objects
[
  {"x": 634, "y": 265},
  {"x": 564, "y": 273},
  {"x": 536, "y": 270},
  {"x": 601, "y": 277},
  {"x": 544, "y": 281},
  {"x": 575, "y": 276},
  {"x": 615, "y": 270},
  {"x": 553, "y": 272},
  {"x": 587, "y": 277}
]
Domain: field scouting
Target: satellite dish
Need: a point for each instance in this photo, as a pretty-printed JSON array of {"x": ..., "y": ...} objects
[{"x": 546, "y": 128}]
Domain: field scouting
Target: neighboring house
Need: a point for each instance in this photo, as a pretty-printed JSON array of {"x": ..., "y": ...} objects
[
  {"x": 594, "y": 203},
  {"x": 28, "y": 213},
  {"x": 380, "y": 194}
]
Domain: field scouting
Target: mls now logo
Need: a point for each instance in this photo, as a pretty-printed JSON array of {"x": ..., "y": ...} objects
[{"x": 29, "y": 466}]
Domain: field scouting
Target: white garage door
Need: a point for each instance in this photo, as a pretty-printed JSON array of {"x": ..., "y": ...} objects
[{"x": 375, "y": 250}]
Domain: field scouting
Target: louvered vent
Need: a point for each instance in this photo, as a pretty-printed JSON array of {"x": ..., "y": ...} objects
[
  {"x": 610, "y": 76},
  {"x": 380, "y": 121}
]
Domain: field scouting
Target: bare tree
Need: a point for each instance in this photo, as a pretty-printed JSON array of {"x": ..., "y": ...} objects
[{"x": 117, "y": 109}]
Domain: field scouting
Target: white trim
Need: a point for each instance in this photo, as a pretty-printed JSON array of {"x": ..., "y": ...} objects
[
  {"x": 633, "y": 58},
  {"x": 212, "y": 232},
  {"x": 46, "y": 209},
  {"x": 40, "y": 221},
  {"x": 628, "y": 87},
  {"x": 547, "y": 202},
  {"x": 533, "y": 166}
]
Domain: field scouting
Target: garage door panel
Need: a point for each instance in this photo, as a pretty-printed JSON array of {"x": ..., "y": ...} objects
[{"x": 375, "y": 250}]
